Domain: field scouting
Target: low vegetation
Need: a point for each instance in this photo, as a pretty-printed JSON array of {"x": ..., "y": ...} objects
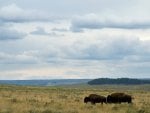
[{"x": 69, "y": 99}]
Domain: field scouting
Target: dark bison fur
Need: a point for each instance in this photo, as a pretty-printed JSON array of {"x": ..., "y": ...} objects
[
  {"x": 94, "y": 98},
  {"x": 86, "y": 99},
  {"x": 119, "y": 98}
]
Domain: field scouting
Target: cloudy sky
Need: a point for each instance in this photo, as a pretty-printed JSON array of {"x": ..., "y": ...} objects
[{"x": 56, "y": 39}]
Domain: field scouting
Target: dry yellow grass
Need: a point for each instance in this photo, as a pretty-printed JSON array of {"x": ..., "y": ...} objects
[{"x": 21, "y": 99}]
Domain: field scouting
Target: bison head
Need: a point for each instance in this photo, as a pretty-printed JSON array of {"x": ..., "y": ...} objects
[{"x": 86, "y": 99}]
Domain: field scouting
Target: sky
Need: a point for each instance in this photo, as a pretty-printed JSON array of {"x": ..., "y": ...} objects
[{"x": 67, "y": 39}]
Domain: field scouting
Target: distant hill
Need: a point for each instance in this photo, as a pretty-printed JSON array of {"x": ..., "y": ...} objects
[
  {"x": 125, "y": 81},
  {"x": 53, "y": 82}
]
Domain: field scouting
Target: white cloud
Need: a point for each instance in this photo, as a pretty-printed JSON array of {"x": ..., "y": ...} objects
[
  {"x": 100, "y": 49},
  {"x": 10, "y": 34},
  {"x": 42, "y": 31},
  {"x": 119, "y": 48},
  {"x": 60, "y": 29},
  {"x": 115, "y": 41},
  {"x": 23, "y": 58},
  {"x": 93, "y": 21},
  {"x": 13, "y": 13}
]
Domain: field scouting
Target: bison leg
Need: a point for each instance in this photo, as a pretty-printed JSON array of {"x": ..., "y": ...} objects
[
  {"x": 93, "y": 103},
  {"x": 129, "y": 102}
]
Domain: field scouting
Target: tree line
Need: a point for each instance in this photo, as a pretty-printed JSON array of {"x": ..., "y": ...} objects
[{"x": 126, "y": 81}]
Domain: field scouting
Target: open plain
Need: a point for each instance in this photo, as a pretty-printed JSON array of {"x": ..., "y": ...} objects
[{"x": 69, "y": 99}]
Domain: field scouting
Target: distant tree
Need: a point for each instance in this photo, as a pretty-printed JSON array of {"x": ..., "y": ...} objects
[{"x": 126, "y": 81}]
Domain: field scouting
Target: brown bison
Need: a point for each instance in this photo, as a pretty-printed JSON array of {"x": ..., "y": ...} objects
[
  {"x": 119, "y": 98},
  {"x": 94, "y": 98}
]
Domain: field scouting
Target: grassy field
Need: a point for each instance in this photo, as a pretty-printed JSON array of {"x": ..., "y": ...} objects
[{"x": 69, "y": 99}]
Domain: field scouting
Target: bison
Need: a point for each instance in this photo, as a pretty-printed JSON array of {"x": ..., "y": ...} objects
[
  {"x": 86, "y": 99},
  {"x": 94, "y": 98},
  {"x": 119, "y": 98}
]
